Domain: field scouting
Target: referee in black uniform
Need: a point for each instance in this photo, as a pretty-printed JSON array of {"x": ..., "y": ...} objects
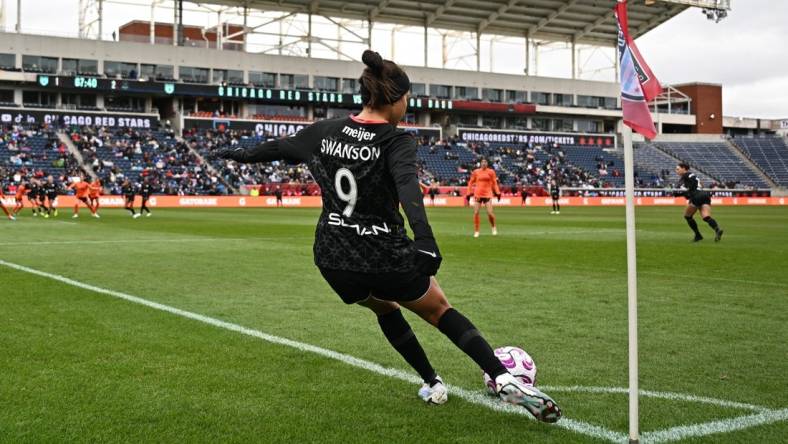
[
  {"x": 366, "y": 169},
  {"x": 697, "y": 199}
]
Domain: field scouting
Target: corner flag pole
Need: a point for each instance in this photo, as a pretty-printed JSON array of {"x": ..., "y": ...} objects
[{"x": 632, "y": 288}]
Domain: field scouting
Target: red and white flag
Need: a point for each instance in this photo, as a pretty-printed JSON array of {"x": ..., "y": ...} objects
[{"x": 638, "y": 84}]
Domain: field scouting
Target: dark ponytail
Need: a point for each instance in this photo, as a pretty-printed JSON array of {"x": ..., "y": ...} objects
[{"x": 383, "y": 82}]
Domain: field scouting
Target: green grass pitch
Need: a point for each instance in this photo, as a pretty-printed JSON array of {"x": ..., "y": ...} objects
[{"x": 81, "y": 366}]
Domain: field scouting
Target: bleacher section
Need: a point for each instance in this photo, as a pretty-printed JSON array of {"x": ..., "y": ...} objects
[
  {"x": 717, "y": 160},
  {"x": 661, "y": 165},
  {"x": 769, "y": 153},
  {"x": 167, "y": 163},
  {"x": 449, "y": 164},
  {"x": 35, "y": 150}
]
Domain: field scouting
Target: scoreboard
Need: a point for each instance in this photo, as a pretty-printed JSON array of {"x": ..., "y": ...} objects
[{"x": 243, "y": 93}]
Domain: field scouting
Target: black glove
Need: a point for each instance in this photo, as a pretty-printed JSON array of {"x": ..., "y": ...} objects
[
  {"x": 498, "y": 197},
  {"x": 427, "y": 256},
  {"x": 237, "y": 154}
]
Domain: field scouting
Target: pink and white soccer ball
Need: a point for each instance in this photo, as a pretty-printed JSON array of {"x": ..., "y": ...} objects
[{"x": 518, "y": 362}]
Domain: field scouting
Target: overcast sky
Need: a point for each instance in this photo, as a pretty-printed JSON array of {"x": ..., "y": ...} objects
[{"x": 745, "y": 52}]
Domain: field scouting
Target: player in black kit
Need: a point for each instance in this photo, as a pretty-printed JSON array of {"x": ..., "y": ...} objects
[
  {"x": 127, "y": 189},
  {"x": 51, "y": 189},
  {"x": 146, "y": 189},
  {"x": 366, "y": 169},
  {"x": 697, "y": 199},
  {"x": 32, "y": 196},
  {"x": 555, "y": 195}
]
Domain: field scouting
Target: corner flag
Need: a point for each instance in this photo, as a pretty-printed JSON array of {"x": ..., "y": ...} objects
[{"x": 638, "y": 83}]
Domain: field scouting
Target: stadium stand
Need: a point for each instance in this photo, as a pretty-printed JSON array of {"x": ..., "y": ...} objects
[
  {"x": 34, "y": 152},
  {"x": 170, "y": 164},
  {"x": 661, "y": 166},
  {"x": 769, "y": 153},
  {"x": 717, "y": 160}
]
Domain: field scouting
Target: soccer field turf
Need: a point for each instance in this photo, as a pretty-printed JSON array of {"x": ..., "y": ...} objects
[{"x": 80, "y": 365}]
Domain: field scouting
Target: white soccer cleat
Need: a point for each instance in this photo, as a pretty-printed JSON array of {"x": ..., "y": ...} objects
[
  {"x": 475, "y": 234},
  {"x": 96, "y": 215},
  {"x": 11, "y": 217},
  {"x": 75, "y": 216},
  {"x": 538, "y": 404},
  {"x": 494, "y": 231},
  {"x": 435, "y": 394},
  {"x": 148, "y": 215},
  {"x": 136, "y": 215}
]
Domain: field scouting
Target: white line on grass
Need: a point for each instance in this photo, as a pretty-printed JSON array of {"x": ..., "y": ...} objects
[
  {"x": 134, "y": 241},
  {"x": 714, "y": 427},
  {"x": 670, "y": 396},
  {"x": 764, "y": 415},
  {"x": 473, "y": 397}
]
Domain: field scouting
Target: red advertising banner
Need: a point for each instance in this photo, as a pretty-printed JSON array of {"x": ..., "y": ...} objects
[{"x": 440, "y": 201}]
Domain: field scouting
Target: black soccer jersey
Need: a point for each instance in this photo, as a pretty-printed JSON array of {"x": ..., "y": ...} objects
[
  {"x": 690, "y": 185},
  {"x": 555, "y": 190},
  {"x": 32, "y": 192},
  {"x": 127, "y": 190},
  {"x": 365, "y": 171},
  {"x": 146, "y": 190},
  {"x": 50, "y": 189}
]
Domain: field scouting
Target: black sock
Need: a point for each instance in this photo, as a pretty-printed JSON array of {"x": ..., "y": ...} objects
[
  {"x": 557, "y": 206},
  {"x": 465, "y": 336},
  {"x": 402, "y": 338},
  {"x": 712, "y": 223},
  {"x": 132, "y": 210},
  {"x": 694, "y": 225}
]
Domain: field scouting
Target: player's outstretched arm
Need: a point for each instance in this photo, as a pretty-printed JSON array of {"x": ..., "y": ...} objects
[
  {"x": 296, "y": 148},
  {"x": 403, "y": 166}
]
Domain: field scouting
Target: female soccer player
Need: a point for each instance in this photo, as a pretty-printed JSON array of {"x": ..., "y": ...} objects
[
  {"x": 94, "y": 193},
  {"x": 697, "y": 199},
  {"x": 555, "y": 196},
  {"x": 21, "y": 190},
  {"x": 2, "y": 206},
  {"x": 366, "y": 168},
  {"x": 127, "y": 189},
  {"x": 483, "y": 185},
  {"x": 82, "y": 189}
]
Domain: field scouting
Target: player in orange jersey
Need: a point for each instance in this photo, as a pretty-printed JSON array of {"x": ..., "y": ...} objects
[
  {"x": 21, "y": 190},
  {"x": 94, "y": 192},
  {"x": 483, "y": 185},
  {"x": 82, "y": 189},
  {"x": 2, "y": 206}
]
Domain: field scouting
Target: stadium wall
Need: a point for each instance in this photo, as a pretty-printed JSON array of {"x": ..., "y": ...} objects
[
  {"x": 440, "y": 201},
  {"x": 62, "y": 47}
]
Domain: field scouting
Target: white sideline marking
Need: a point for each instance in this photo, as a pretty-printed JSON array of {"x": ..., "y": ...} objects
[
  {"x": 473, "y": 397},
  {"x": 763, "y": 416},
  {"x": 134, "y": 241}
]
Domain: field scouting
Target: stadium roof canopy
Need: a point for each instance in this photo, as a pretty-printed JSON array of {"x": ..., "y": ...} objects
[{"x": 584, "y": 21}]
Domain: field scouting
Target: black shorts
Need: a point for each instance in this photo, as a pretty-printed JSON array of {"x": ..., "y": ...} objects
[
  {"x": 555, "y": 196},
  {"x": 482, "y": 200},
  {"x": 145, "y": 197},
  {"x": 51, "y": 197},
  {"x": 700, "y": 199},
  {"x": 129, "y": 199},
  {"x": 354, "y": 287}
]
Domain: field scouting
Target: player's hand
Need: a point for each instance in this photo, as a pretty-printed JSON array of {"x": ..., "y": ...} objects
[
  {"x": 498, "y": 197},
  {"x": 428, "y": 258},
  {"x": 237, "y": 154}
]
